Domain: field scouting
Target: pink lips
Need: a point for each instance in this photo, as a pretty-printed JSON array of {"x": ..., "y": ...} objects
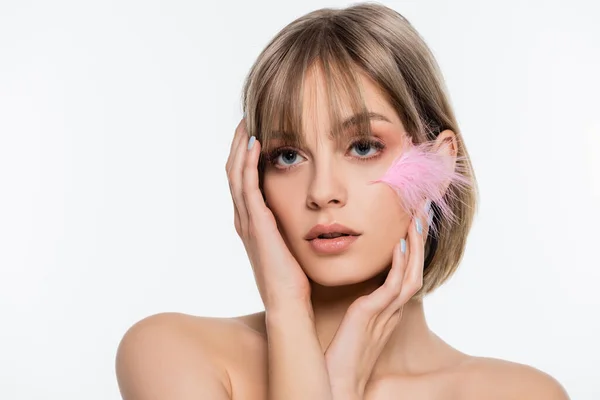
[
  {"x": 332, "y": 246},
  {"x": 321, "y": 229}
]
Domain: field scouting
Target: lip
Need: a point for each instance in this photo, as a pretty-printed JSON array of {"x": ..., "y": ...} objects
[
  {"x": 332, "y": 246},
  {"x": 331, "y": 228}
]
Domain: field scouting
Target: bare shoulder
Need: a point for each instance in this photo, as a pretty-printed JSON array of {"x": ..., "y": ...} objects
[
  {"x": 508, "y": 380},
  {"x": 175, "y": 355}
]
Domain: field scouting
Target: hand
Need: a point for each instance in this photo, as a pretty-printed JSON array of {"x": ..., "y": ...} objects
[
  {"x": 371, "y": 319},
  {"x": 279, "y": 277}
]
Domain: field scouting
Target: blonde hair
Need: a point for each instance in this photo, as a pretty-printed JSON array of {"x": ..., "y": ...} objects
[{"x": 379, "y": 42}]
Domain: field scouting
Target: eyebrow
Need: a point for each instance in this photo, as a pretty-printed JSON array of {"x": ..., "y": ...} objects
[
  {"x": 345, "y": 125},
  {"x": 355, "y": 119}
]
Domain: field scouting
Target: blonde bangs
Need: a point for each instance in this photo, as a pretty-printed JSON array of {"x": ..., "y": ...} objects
[{"x": 279, "y": 101}]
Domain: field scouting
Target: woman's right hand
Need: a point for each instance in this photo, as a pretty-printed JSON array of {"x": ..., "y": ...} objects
[{"x": 279, "y": 277}]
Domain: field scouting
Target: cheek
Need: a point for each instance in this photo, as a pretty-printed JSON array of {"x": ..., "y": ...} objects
[
  {"x": 386, "y": 211},
  {"x": 379, "y": 194},
  {"x": 283, "y": 199},
  {"x": 420, "y": 174}
]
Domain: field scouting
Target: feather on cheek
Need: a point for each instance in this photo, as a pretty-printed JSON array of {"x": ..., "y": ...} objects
[{"x": 420, "y": 174}]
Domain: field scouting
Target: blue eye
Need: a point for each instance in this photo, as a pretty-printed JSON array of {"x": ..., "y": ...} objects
[
  {"x": 284, "y": 157},
  {"x": 363, "y": 146},
  {"x": 285, "y": 154}
]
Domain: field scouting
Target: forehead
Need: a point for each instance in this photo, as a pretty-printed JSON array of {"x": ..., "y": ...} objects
[{"x": 315, "y": 101}]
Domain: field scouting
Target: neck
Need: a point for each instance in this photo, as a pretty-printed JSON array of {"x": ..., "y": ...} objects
[{"x": 412, "y": 347}]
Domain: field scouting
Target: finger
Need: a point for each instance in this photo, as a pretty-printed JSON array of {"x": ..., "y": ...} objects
[
  {"x": 426, "y": 217},
  {"x": 255, "y": 204},
  {"x": 395, "y": 303},
  {"x": 236, "y": 180},
  {"x": 384, "y": 295},
  {"x": 239, "y": 133},
  {"x": 414, "y": 269},
  {"x": 391, "y": 317},
  {"x": 240, "y": 130},
  {"x": 234, "y": 140}
]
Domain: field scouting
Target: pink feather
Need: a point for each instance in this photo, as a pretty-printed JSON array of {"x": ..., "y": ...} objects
[{"x": 420, "y": 174}]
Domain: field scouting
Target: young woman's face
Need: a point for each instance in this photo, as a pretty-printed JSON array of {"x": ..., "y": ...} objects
[{"x": 328, "y": 182}]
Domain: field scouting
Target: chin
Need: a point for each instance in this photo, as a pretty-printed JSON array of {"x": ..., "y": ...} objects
[
  {"x": 356, "y": 265},
  {"x": 339, "y": 271}
]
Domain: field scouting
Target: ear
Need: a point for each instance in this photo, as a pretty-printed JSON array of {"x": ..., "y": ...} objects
[{"x": 447, "y": 144}]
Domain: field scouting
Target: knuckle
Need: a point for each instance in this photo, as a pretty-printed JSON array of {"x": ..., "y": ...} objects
[
  {"x": 251, "y": 223},
  {"x": 415, "y": 287},
  {"x": 393, "y": 286},
  {"x": 245, "y": 189},
  {"x": 397, "y": 286},
  {"x": 246, "y": 232},
  {"x": 418, "y": 281},
  {"x": 246, "y": 194},
  {"x": 355, "y": 307},
  {"x": 251, "y": 231},
  {"x": 245, "y": 181},
  {"x": 241, "y": 127},
  {"x": 360, "y": 306}
]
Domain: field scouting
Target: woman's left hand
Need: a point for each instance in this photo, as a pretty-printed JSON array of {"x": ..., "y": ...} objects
[{"x": 371, "y": 319}]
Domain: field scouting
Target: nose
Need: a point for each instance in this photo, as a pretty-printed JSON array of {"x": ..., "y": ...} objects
[{"x": 327, "y": 188}]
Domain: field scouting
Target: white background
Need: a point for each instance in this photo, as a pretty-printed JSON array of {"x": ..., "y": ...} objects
[{"x": 115, "y": 124}]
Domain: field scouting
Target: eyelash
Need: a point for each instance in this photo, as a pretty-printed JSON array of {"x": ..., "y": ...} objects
[{"x": 272, "y": 156}]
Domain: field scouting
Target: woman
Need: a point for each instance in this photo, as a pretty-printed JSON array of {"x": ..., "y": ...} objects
[{"x": 332, "y": 104}]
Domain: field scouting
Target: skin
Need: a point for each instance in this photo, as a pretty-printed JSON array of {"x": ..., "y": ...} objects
[{"x": 179, "y": 356}]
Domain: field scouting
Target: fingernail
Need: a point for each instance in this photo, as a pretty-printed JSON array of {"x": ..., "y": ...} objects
[
  {"x": 251, "y": 142},
  {"x": 403, "y": 245},
  {"x": 427, "y": 206},
  {"x": 419, "y": 226}
]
